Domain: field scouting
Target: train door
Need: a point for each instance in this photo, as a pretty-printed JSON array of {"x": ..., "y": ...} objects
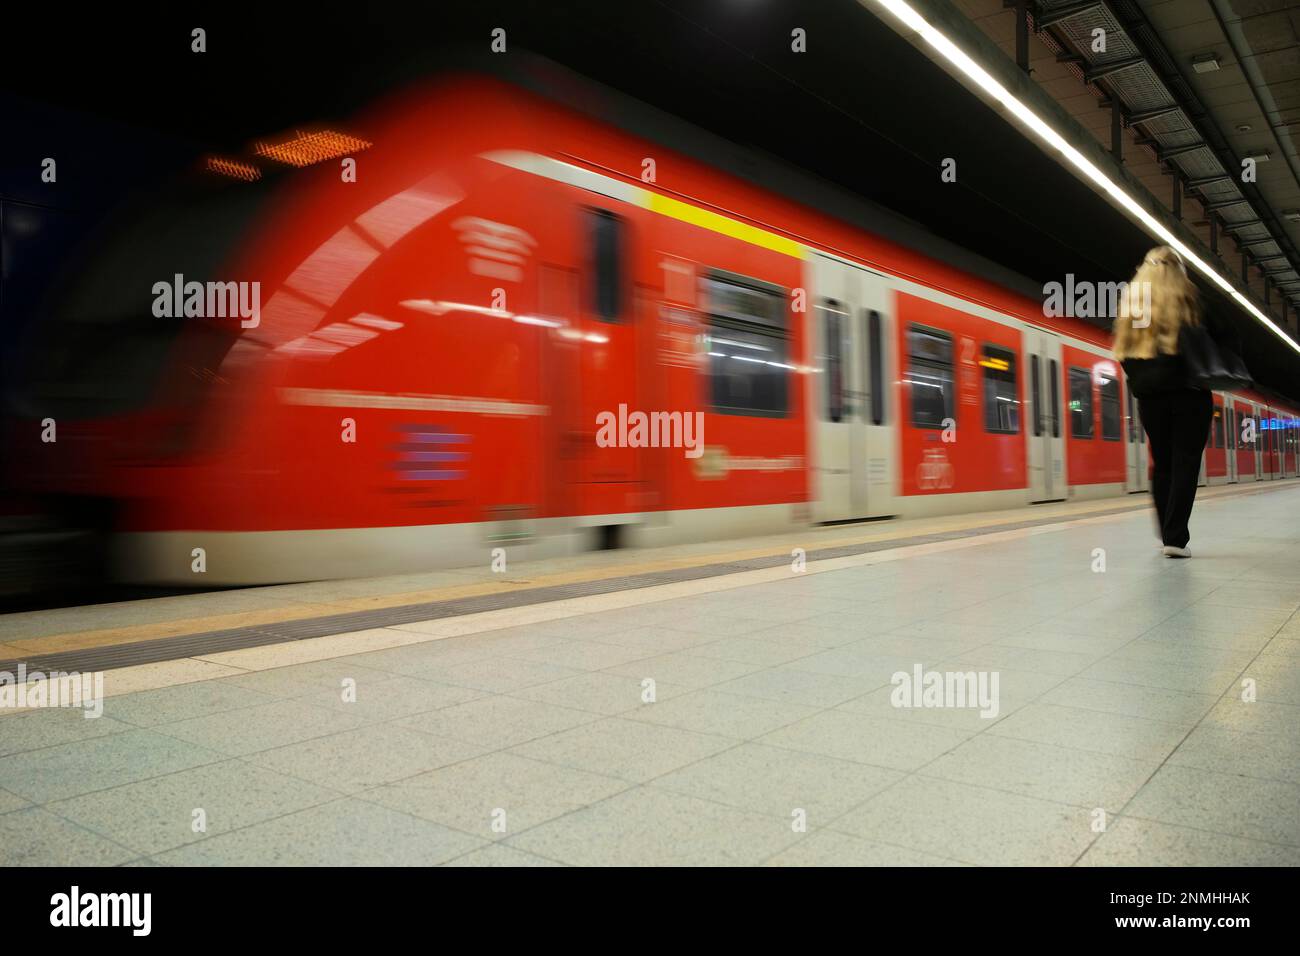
[
  {"x": 1290, "y": 463},
  {"x": 1216, "y": 456},
  {"x": 1292, "y": 448},
  {"x": 1283, "y": 444},
  {"x": 852, "y": 452},
  {"x": 1247, "y": 440},
  {"x": 1257, "y": 419},
  {"x": 596, "y": 363},
  {"x": 1137, "y": 455},
  {"x": 1045, "y": 435},
  {"x": 1294, "y": 431},
  {"x": 1267, "y": 440},
  {"x": 1275, "y": 426},
  {"x": 1230, "y": 438},
  {"x": 873, "y": 320}
]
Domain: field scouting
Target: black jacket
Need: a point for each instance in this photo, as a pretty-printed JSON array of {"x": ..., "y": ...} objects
[
  {"x": 1166, "y": 373},
  {"x": 1155, "y": 376}
]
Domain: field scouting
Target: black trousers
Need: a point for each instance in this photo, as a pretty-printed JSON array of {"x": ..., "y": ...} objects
[{"x": 1177, "y": 425}]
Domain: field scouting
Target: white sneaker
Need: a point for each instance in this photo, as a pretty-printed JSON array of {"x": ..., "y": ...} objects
[{"x": 1172, "y": 552}]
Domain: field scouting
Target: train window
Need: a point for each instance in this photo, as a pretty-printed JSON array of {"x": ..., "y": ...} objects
[
  {"x": 1111, "y": 427},
  {"x": 1218, "y": 426},
  {"x": 747, "y": 345},
  {"x": 1055, "y": 386},
  {"x": 1001, "y": 403},
  {"x": 1080, "y": 403},
  {"x": 875, "y": 368},
  {"x": 1230, "y": 425},
  {"x": 606, "y": 264},
  {"x": 835, "y": 354},
  {"x": 1035, "y": 394},
  {"x": 929, "y": 372}
]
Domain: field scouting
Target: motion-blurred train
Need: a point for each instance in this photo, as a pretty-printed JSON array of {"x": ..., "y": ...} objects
[{"x": 439, "y": 341}]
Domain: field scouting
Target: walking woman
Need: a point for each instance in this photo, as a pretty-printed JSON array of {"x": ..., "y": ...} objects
[{"x": 1161, "y": 300}]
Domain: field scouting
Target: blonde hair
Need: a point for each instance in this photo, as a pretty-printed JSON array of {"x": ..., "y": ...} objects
[{"x": 1159, "y": 301}]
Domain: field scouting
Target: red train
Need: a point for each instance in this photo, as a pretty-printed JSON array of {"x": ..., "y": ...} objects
[{"x": 440, "y": 341}]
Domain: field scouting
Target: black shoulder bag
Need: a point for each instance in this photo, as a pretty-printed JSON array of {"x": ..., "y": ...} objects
[{"x": 1209, "y": 365}]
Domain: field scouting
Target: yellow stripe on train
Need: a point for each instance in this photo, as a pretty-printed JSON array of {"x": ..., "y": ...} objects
[{"x": 715, "y": 222}]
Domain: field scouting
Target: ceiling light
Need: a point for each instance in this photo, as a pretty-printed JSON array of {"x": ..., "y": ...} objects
[
  {"x": 981, "y": 78},
  {"x": 1205, "y": 63}
]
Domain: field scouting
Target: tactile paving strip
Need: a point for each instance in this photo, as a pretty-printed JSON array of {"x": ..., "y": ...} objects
[{"x": 211, "y": 642}]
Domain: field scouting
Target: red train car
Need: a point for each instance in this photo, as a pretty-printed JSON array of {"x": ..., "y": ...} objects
[{"x": 521, "y": 326}]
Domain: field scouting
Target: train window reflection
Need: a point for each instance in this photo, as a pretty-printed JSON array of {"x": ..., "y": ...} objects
[
  {"x": 929, "y": 373},
  {"x": 1036, "y": 392},
  {"x": 1001, "y": 403},
  {"x": 834, "y": 360},
  {"x": 875, "y": 370},
  {"x": 747, "y": 346},
  {"x": 1112, "y": 428},
  {"x": 1080, "y": 403},
  {"x": 1056, "y": 398},
  {"x": 1132, "y": 420},
  {"x": 607, "y": 264}
]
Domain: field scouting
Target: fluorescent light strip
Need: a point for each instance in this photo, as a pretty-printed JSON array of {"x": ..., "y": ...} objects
[{"x": 986, "y": 82}]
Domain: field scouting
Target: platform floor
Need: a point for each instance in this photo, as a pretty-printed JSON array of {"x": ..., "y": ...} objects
[{"x": 523, "y": 736}]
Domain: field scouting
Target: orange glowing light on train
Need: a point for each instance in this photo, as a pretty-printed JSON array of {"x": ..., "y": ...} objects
[
  {"x": 305, "y": 149},
  {"x": 233, "y": 168}
]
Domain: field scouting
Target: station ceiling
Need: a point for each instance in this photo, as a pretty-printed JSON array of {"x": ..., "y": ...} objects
[{"x": 862, "y": 108}]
